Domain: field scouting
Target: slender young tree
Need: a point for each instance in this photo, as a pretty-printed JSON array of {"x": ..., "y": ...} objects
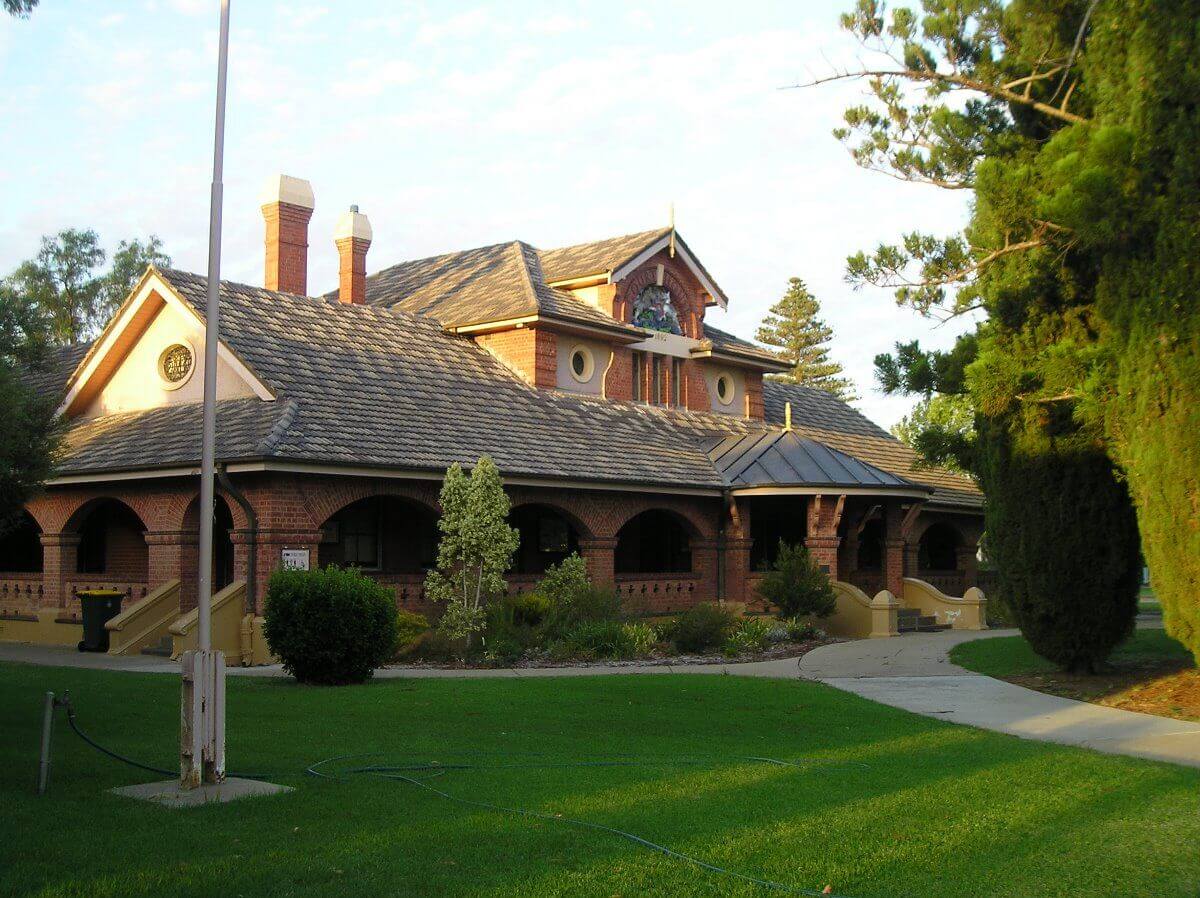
[
  {"x": 64, "y": 281},
  {"x": 793, "y": 327},
  {"x": 476, "y": 548}
]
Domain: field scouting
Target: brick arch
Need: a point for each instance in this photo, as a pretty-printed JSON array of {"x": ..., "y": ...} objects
[
  {"x": 685, "y": 300},
  {"x": 582, "y": 530},
  {"x": 140, "y": 506},
  {"x": 189, "y": 518},
  {"x": 695, "y": 526},
  {"x": 327, "y": 499}
]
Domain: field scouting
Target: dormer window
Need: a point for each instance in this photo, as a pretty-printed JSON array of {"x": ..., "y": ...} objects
[{"x": 654, "y": 310}]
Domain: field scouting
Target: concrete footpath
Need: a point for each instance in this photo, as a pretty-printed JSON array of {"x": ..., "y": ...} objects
[{"x": 912, "y": 672}]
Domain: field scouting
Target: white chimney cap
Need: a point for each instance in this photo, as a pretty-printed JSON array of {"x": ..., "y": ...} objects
[
  {"x": 352, "y": 224},
  {"x": 286, "y": 189}
]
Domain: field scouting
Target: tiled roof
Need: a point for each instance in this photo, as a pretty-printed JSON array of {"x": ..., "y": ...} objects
[
  {"x": 784, "y": 458},
  {"x": 597, "y": 257},
  {"x": 723, "y": 342},
  {"x": 56, "y": 367},
  {"x": 374, "y": 387},
  {"x": 828, "y": 420},
  {"x": 490, "y": 283}
]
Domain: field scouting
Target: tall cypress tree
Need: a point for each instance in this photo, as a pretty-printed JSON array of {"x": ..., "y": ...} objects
[{"x": 792, "y": 327}]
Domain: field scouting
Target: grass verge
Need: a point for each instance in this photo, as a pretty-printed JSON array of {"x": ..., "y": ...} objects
[{"x": 882, "y": 802}]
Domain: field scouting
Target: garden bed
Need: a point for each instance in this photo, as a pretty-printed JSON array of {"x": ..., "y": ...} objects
[{"x": 655, "y": 659}]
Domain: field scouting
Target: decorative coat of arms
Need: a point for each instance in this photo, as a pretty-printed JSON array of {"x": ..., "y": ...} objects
[{"x": 654, "y": 310}]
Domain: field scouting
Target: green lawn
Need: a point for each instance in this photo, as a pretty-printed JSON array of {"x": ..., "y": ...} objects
[
  {"x": 882, "y": 802},
  {"x": 1011, "y": 656}
]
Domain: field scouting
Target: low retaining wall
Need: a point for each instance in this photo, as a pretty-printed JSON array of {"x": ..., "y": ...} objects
[
  {"x": 858, "y": 616},
  {"x": 967, "y": 613},
  {"x": 145, "y": 622}
]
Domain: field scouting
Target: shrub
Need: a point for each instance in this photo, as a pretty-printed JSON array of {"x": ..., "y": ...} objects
[
  {"x": 600, "y": 639},
  {"x": 799, "y": 630},
  {"x": 795, "y": 584},
  {"x": 562, "y": 582},
  {"x": 435, "y": 647},
  {"x": 409, "y": 626},
  {"x": 528, "y": 608},
  {"x": 750, "y": 634},
  {"x": 329, "y": 626},
  {"x": 642, "y": 638},
  {"x": 701, "y": 627}
]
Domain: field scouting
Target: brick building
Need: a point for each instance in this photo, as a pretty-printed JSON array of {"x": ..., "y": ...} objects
[{"x": 626, "y": 427}]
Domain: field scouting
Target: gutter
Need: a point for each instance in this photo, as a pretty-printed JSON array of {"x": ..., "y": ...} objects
[{"x": 252, "y": 520}]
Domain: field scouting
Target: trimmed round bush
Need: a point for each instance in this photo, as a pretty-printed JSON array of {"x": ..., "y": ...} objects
[{"x": 329, "y": 626}]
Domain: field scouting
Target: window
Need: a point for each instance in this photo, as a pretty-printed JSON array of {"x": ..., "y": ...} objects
[
  {"x": 175, "y": 365},
  {"x": 639, "y": 372},
  {"x": 359, "y": 535},
  {"x": 676, "y": 383},
  {"x": 725, "y": 389},
  {"x": 654, "y": 310},
  {"x": 583, "y": 364}
]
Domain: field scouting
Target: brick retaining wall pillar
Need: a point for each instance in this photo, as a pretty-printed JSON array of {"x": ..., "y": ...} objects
[{"x": 599, "y": 556}]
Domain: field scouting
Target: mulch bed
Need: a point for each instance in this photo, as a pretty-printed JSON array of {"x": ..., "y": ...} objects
[
  {"x": 774, "y": 653},
  {"x": 1166, "y": 689}
]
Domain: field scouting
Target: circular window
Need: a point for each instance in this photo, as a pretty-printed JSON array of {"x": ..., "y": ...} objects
[
  {"x": 582, "y": 364},
  {"x": 724, "y": 389},
  {"x": 175, "y": 365}
]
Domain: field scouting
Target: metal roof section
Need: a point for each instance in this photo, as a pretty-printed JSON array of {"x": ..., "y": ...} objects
[{"x": 786, "y": 461}]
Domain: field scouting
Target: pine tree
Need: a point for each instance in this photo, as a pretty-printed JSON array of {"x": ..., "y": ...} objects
[{"x": 792, "y": 327}]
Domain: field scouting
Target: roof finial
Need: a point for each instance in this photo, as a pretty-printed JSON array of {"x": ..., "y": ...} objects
[
  {"x": 672, "y": 244},
  {"x": 787, "y": 417}
]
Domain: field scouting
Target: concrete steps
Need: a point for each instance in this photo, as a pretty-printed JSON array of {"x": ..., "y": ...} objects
[{"x": 911, "y": 620}]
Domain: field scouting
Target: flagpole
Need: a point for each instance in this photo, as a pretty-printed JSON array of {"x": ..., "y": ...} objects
[{"x": 202, "y": 731}]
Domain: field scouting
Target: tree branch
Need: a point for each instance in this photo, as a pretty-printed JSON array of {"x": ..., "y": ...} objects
[{"x": 997, "y": 91}]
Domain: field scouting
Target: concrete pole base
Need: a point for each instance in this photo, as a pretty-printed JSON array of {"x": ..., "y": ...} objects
[{"x": 169, "y": 793}]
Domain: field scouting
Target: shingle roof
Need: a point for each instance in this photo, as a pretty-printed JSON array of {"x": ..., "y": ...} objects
[
  {"x": 828, "y": 420},
  {"x": 725, "y": 342},
  {"x": 365, "y": 386},
  {"x": 56, "y": 367},
  {"x": 598, "y": 256},
  {"x": 489, "y": 283},
  {"x": 784, "y": 458}
]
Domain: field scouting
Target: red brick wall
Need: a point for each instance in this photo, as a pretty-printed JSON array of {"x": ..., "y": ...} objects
[
  {"x": 286, "y": 248},
  {"x": 352, "y": 270},
  {"x": 529, "y": 351}
]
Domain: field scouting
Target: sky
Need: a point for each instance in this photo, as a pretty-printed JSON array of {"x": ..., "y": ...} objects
[{"x": 454, "y": 125}]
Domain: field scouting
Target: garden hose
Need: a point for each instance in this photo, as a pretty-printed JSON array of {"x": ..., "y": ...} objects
[{"x": 407, "y": 773}]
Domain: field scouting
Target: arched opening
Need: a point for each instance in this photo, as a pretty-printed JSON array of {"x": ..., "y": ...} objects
[
  {"x": 870, "y": 546},
  {"x": 112, "y": 542},
  {"x": 222, "y": 541},
  {"x": 653, "y": 542},
  {"x": 21, "y": 545},
  {"x": 938, "y": 548},
  {"x": 547, "y": 537},
  {"x": 774, "y": 519},
  {"x": 381, "y": 534}
]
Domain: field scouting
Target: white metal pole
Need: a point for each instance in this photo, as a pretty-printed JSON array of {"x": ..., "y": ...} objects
[
  {"x": 211, "y": 337},
  {"x": 202, "y": 723}
]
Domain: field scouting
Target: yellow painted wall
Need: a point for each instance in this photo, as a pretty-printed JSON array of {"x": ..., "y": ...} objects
[{"x": 136, "y": 383}]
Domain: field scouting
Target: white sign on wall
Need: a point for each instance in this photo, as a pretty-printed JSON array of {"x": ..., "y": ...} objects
[{"x": 295, "y": 559}]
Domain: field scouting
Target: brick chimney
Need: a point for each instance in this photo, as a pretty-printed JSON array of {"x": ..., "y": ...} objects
[
  {"x": 287, "y": 205},
  {"x": 352, "y": 236}
]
